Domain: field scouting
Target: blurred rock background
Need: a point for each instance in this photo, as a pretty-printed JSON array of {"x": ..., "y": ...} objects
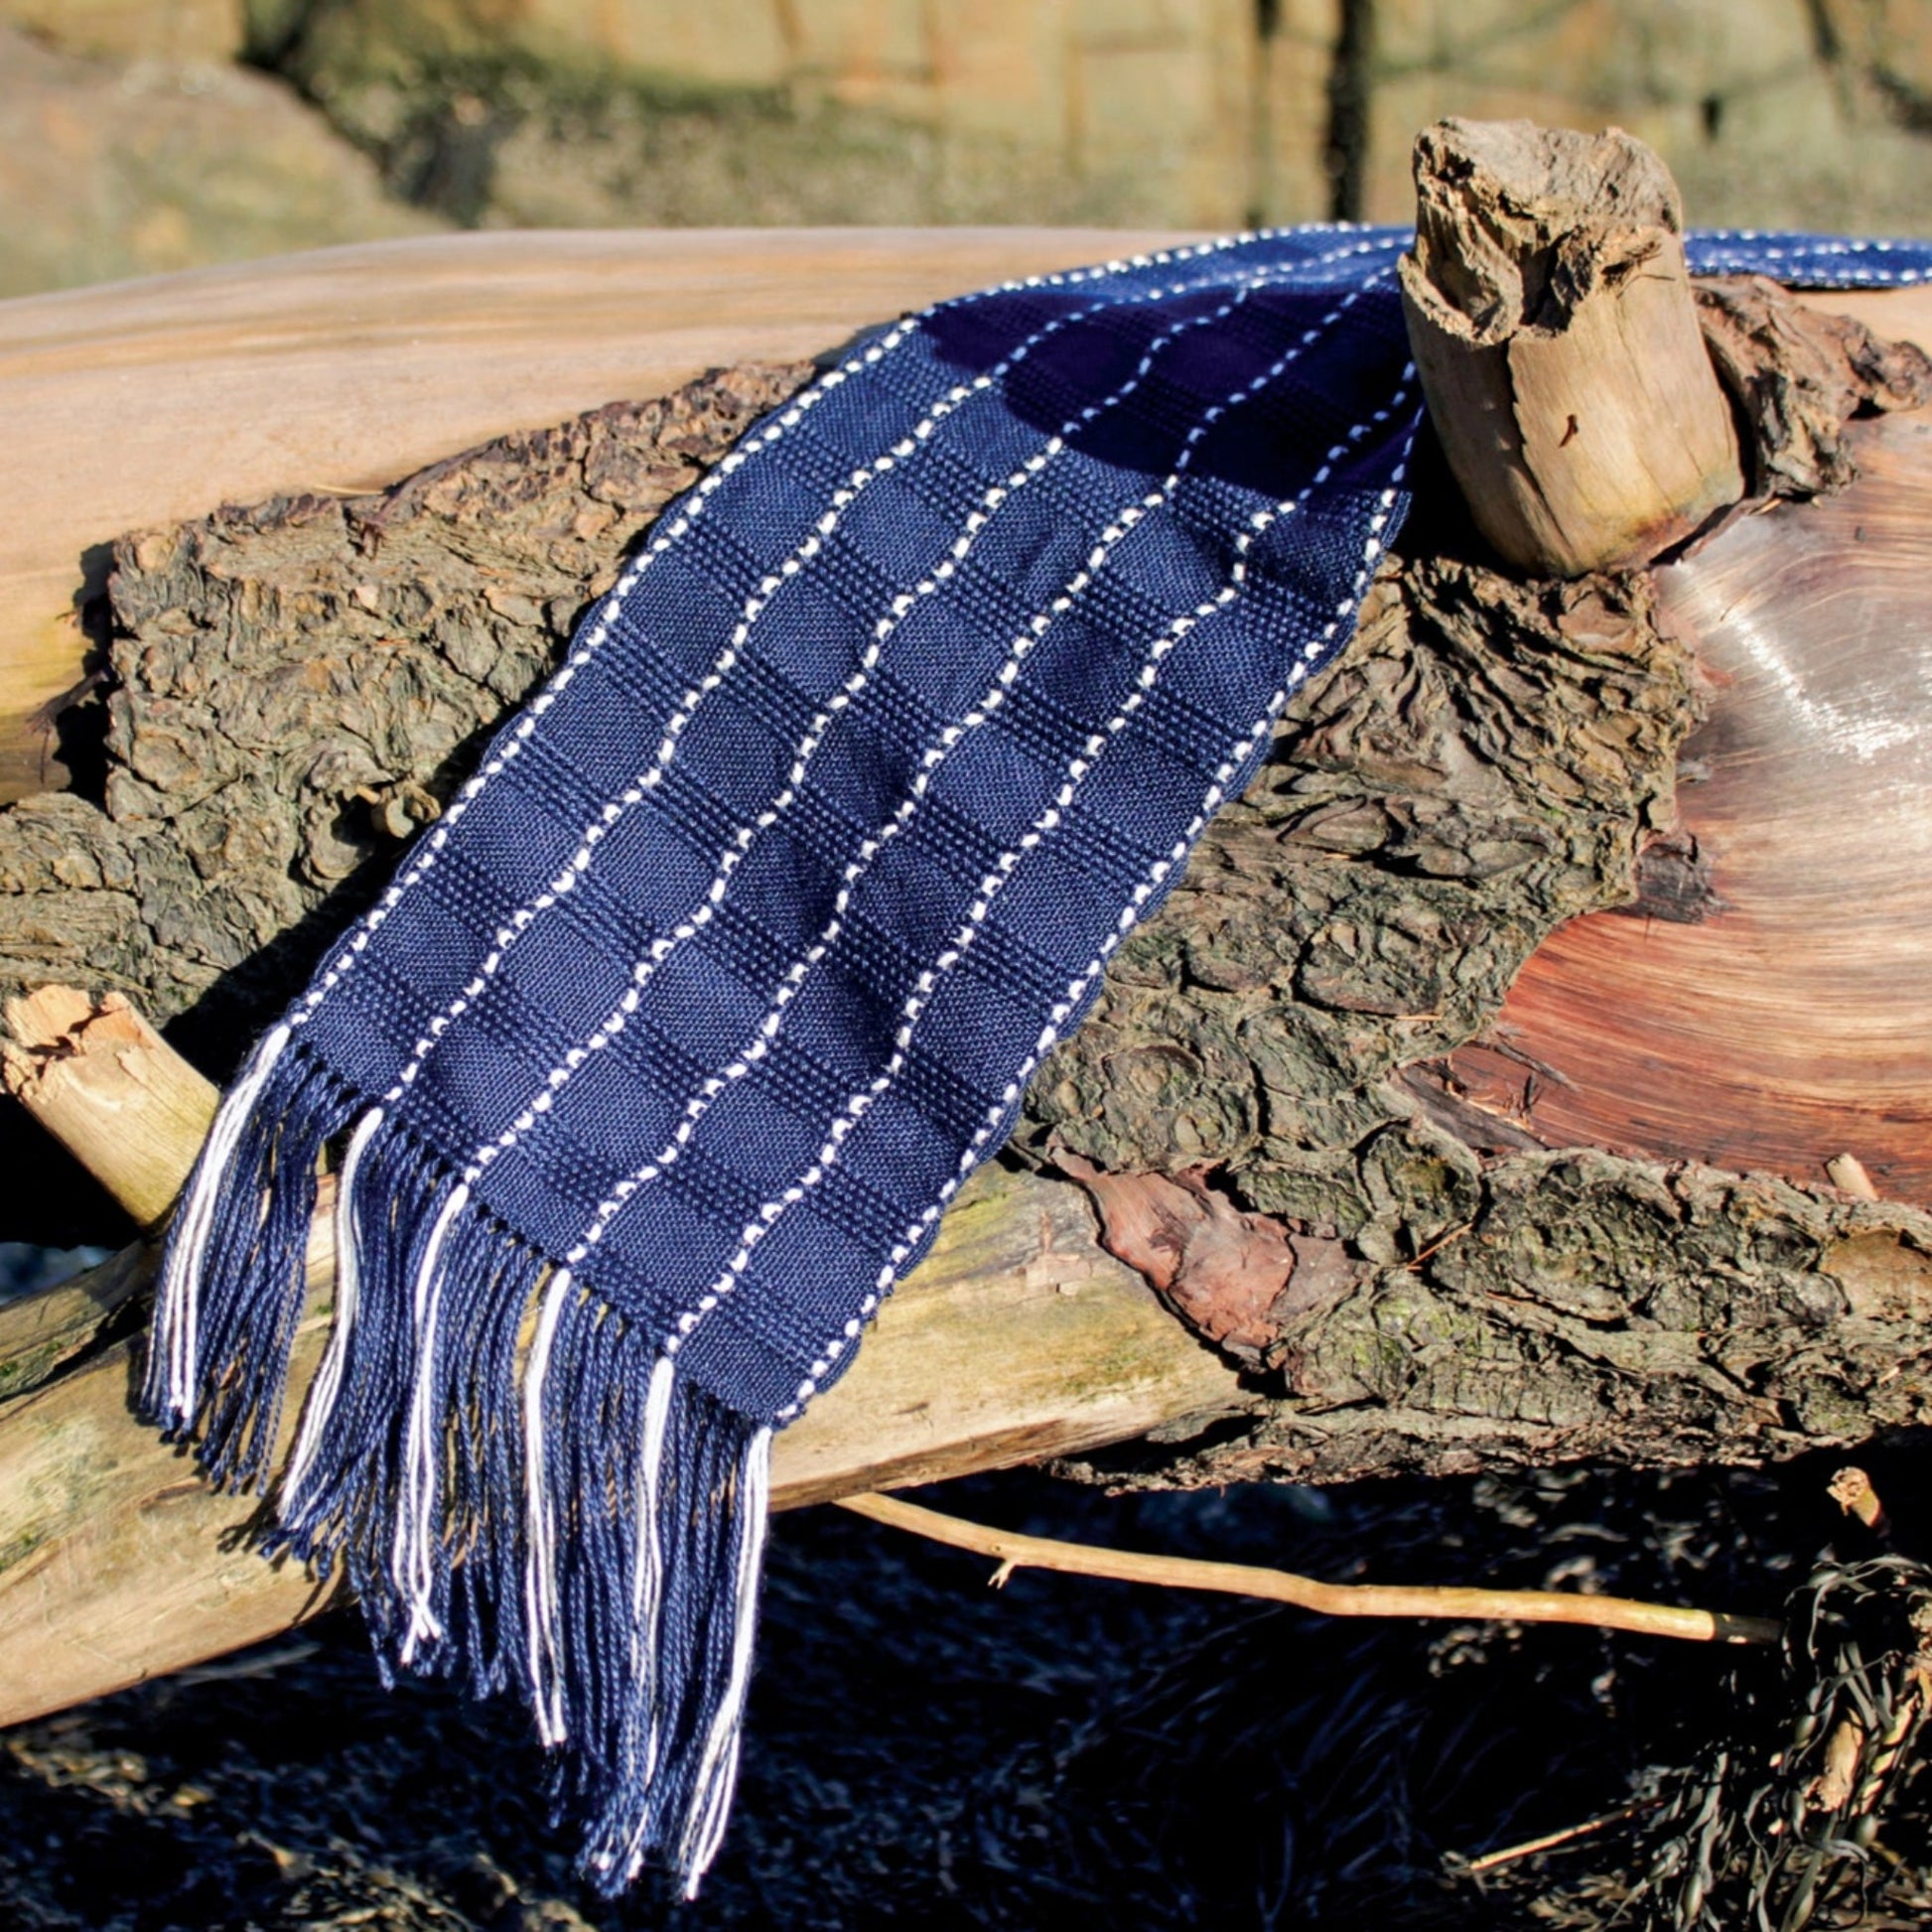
[{"x": 144, "y": 135}]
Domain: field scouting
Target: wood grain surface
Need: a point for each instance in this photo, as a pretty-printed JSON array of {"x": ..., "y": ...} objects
[
  {"x": 1797, "y": 1016},
  {"x": 140, "y": 403}
]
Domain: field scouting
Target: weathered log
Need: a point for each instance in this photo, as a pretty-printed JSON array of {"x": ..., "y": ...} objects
[
  {"x": 1016, "y": 1341},
  {"x": 1551, "y": 316},
  {"x": 340, "y": 370},
  {"x": 105, "y": 1085},
  {"x": 1484, "y": 767}
]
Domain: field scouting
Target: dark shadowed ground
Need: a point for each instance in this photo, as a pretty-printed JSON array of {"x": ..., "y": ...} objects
[{"x": 928, "y": 1752}]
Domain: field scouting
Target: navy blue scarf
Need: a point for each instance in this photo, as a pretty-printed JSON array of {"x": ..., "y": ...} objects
[{"x": 659, "y": 1062}]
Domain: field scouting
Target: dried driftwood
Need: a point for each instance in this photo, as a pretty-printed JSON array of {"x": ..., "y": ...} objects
[
  {"x": 1551, "y": 315},
  {"x": 1310, "y": 1106},
  {"x": 1018, "y": 1339}
]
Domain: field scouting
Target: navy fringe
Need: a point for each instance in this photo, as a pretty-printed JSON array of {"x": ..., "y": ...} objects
[{"x": 522, "y": 1492}]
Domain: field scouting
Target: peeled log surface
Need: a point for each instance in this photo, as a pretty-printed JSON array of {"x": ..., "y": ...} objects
[
  {"x": 1794, "y": 1021},
  {"x": 338, "y": 371}
]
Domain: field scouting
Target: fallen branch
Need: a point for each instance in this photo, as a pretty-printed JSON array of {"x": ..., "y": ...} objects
[
  {"x": 111, "y": 1090},
  {"x": 1531, "y": 1848},
  {"x": 1752, "y": 1318},
  {"x": 1017, "y": 1551},
  {"x": 1551, "y": 315}
]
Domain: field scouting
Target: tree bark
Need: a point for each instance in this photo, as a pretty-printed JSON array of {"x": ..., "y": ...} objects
[{"x": 1312, "y": 1105}]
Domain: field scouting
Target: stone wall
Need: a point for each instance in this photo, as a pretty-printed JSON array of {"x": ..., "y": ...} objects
[
  {"x": 830, "y": 109},
  {"x": 111, "y": 167},
  {"x": 1191, "y": 113},
  {"x": 1196, "y": 112},
  {"x": 1771, "y": 113},
  {"x": 161, "y": 30}
]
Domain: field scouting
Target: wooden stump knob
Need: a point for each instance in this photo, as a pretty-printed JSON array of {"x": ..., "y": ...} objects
[{"x": 1551, "y": 316}]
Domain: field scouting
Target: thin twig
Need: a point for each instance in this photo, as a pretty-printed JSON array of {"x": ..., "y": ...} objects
[
  {"x": 1014, "y": 1552},
  {"x": 1550, "y": 1840},
  {"x": 1436, "y": 1246}
]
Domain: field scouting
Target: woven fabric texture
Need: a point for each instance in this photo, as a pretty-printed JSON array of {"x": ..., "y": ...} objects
[{"x": 657, "y": 1065}]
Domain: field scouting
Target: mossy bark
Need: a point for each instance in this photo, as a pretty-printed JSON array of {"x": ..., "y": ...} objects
[
  {"x": 297, "y": 684},
  {"x": 293, "y": 686}
]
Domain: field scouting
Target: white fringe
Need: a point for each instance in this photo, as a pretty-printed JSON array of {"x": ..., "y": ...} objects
[
  {"x": 648, "y": 1589},
  {"x": 412, "y": 1556},
  {"x": 540, "y": 1562},
  {"x": 718, "y": 1771},
  {"x": 327, "y": 1385},
  {"x": 178, "y": 1302},
  {"x": 647, "y": 1586}
]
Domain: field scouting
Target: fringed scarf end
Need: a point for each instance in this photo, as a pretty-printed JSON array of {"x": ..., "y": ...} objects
[
  {"x": 234, "y": 1275},
  {"x": 521, "y": 1489}
]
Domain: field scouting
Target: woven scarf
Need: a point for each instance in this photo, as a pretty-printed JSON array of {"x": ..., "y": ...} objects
[{"x": 660, "y": 1059}]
